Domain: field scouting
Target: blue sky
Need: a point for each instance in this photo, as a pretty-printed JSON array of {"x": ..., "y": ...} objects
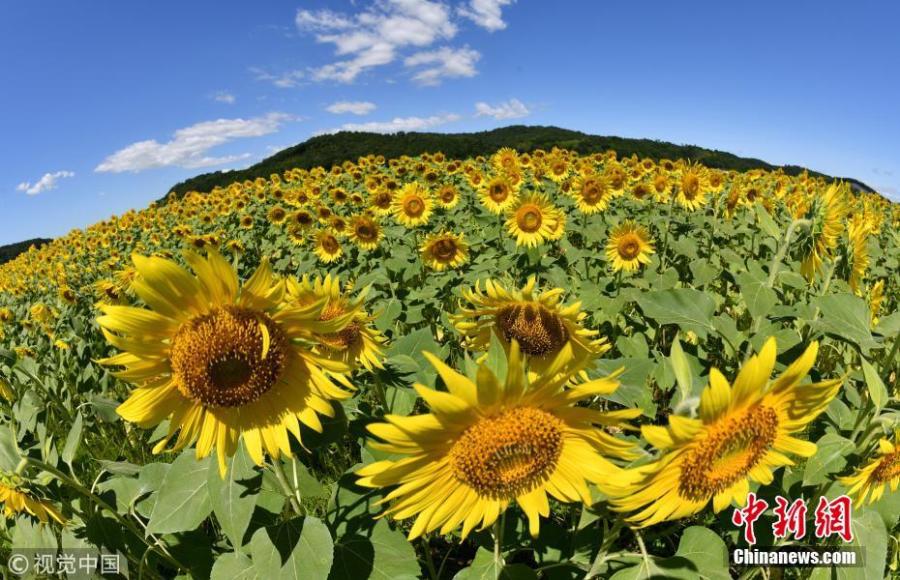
[{"x": 105, "y": 104}]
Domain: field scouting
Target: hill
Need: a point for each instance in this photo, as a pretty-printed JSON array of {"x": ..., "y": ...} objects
[
  {"x": 328, "y": 150},
  {"x": 10, "y": 251}
]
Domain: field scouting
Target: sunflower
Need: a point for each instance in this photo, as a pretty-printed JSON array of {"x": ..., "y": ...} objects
[
  {"x": 826, "y": 215},
  {"x": 412, "y": 205},
  {"x": 381, "y": 202},
  {"x": 328, "y": 247},
  {"x": 531, "y": 221},
  {"x": 444, "y": 250},
  {"x": 493, "y": 441},
  {"x": 497, "y": 194},
  {"x": 869, "y": 482},
  {"x": 857, "y": 251},
  {"x": 544, "y": 329},
  {"x": 277, "y": 215},
  {"x": 219, "y": 360},
  {"x": 17, "y": 500},
  {"x": 359, "y": 342},
  {"x": 692, "y": 187},
  {"x": 876, "y": 297},
  {"x": 592, "y": 193},
  {"x": 365, "y": 232},
  {"x": 447, "y": 196},
  {"x": 505, "y": 159},
  {"x": 742, "y": 434},
  {"x": 629, "y": 247}
]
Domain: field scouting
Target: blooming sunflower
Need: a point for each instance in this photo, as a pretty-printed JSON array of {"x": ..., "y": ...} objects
[
  {"x": 532, "y": 220},
  {"x": 544, "y": 329},
  {"x": 219, "y": 360},
  {"x": 629, "y": 247},
  {"x": 490, "y": 442},
  {"x": 742, "y": 435},
  {"x": 328, "y": 247},
  {"x": 17, "y": 500},
  {"x": 444, "y": 250},
  {"x": 498, "y": 194},
  {"x": 826, "y": 215},
  {"x": 447, "y": 196},
  {"x": 357, "y": 343},
  {"x": 412, "y": 205},
  {"x": 365, "y": 232},
  {"x": 870, "y": 481},
  {"x": 692, "y": 187}
]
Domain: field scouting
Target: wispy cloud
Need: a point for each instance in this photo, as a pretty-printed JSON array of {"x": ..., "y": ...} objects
[
  {"x": 225, "y": 97},
  {"x": 189, "y": 146},
  {"x": 373, "y": 37},
  {"x": 399, "y": 124},
  {"x": 284, "y": 80},
  {"x": 47, "y": 182},
  {"x": 352, "y": 107},
  {"x": 511, "y": 109},
  {"x": 487, "y": 14},
  {"x": 443, "y": 63}
]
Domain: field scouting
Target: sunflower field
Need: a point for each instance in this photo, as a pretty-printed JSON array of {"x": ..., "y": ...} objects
[{"x": 528, "y": 365}]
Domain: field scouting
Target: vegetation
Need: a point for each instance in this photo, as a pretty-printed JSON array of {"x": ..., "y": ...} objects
[{"x": 10, "y": 251}]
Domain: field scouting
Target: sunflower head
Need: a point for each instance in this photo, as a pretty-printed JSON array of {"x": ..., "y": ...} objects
[
  {"x": 629, "y": 247},
  {"x": 882, "y": 471},
  {"x": 532, "y": 220},
  {"x": 448, "y": 196},
  {"x": 412, "y": 205},
  {"x": 328, "y": 247},
  {"x": 16, "y": 498},
  {"x": 444, "y": 250},
  {"x": 544, "y": 329},
  {"x": 491, "y": 440},
  {"x": 692, "y": 186},
  {"x": 365, "y": 232},
  {"x": 498, "y": 193}
]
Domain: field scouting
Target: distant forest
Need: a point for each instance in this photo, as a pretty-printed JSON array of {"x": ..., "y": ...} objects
[
  {"x": 9, "y": 252},
  {"x": 328, "y": 150}
]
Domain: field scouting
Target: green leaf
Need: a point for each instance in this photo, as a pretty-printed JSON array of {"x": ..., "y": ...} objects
[
  {"x": 757, "y": 295},
  {"x": 300, "y": 549},
  {"x": 385, "y": 554},
  {"x": 233, "y": 566},
  {"x": 877, "y": 390},
  {"x": 870, "y": 538},
  {"x": 406, "y": 355},
  {"x": 233, "y": 498},
  {"x": 9, "y": 450},
  {"x": 766, "y": 222},
  {"x": 73, "y": 440},
  {"x": 829, "y": 458},
  {"x": 846, "y": 316},
  {"x": 691, "y": 309},
  {"x": 183, "y": 499},
  {"x": 682, "y": 370},
  {"x": 707, "y": 551},
  {"x": 485, "y": 567},
  {"x": 29, "y": 534}
]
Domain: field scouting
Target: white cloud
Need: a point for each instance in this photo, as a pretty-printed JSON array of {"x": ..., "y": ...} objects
[
  {"x": 353, "y": 107},
  {"x": 486, "y": 13},
  {"x": 399, "y": 124},
  {"x": 47, "y": 182},
  {"x": 511, "y": 109},
  {"x": 443, "y": 63},
  {"x": 372, "y": 37},
  {"x": 224, "y": 97},
  {"x": 286, "y": 80},
  {"x": 189, "y": 146}
]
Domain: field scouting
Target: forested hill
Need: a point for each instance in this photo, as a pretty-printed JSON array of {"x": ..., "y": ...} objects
[
  {"x": 10, "y": 251},
  {"x": 328, "y": 150}
]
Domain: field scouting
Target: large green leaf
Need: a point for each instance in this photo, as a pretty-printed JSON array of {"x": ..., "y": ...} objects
[
  {"x": 877, "y": 391},
  {"x": 233, "y": 566},
  {"x": 847, "y": 317},
  {"x": 829, "y": 458},
  {"x": 757, "y": 295},
  {"x": 300, "y": 549},
  {"x": 689, "y": 308},
  {"x": 183, "y": 499},
  {"x": 486, "y": 567},
  {"x": 233, "y": 498},
  {"x": 384, "y": 554}
]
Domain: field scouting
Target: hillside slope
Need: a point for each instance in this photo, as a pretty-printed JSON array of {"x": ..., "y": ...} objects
[{"x": 327, "y": 150}]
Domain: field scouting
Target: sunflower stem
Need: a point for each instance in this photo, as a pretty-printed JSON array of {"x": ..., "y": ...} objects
[
  {"x": 665, "y": 245},
  {"x": 429, "y": 562},
  {"x": 498, "y": 546},
  {"x": 129, "y": 525},
  {"x": 289, "y": 491}
]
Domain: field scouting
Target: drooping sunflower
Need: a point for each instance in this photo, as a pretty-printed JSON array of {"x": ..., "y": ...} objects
[
  {"x": 743, "y": 434},
  {"x": 15, "y": 499},
  {"x": 221, "y": 361},
  {"x": 357, "y": 343},
  {"x": 544, "y": 329},
  {"x": 870, "y": 481},
  {"x": 488, "y": 443},
  {"x": 826, "y": 215},
  {"x": 412, "y": 205},
  {"x": 365, "y": 232},
  {"x": 531, "y": 221},
  {"x": 876, "y": 297},
  {"x": 857, "y": 251},
  {"x": 328, "y": 247},
  {"x": 444, "y": 250},
  {"x": 629, "y": 247},
  {"x": 498, "y": 194}
]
